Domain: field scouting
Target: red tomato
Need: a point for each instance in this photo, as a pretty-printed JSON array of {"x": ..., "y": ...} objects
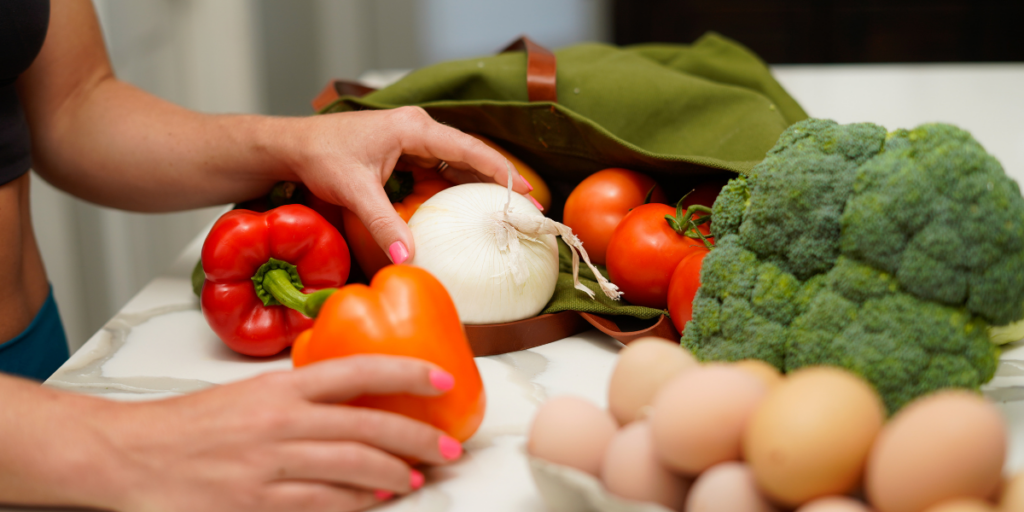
[
  {"x": 598, "y": 203},
  {"x": 645, "y": 250},
  {"x": 683, "y": 288}
]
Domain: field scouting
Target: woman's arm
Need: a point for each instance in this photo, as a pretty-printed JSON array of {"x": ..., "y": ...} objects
[
  {"x": 111, "y": 143},
  {"x": 276, "y": 442}
]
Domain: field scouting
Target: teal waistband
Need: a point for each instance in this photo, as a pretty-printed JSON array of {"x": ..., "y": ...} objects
[{"x": 40, "y": 349}]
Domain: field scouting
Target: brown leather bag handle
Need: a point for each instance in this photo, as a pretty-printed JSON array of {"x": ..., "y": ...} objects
[
  {"x": 540, "y": 77},
  {"x": 540, "y": 69},
  {"x": 494, "y": 339},
  {"x": 336, "y": 89}
]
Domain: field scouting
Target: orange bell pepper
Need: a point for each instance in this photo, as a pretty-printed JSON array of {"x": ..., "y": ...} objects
[
  {"x": 404, "y": 312},
  {"x": 371, "y": 258}
]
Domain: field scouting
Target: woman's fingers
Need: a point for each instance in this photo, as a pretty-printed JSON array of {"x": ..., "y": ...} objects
[
  {"x": 458, "y": 176},
  {"x": 392, "y": 234},
  {"x": 342, "y": 379},
  {"x": 385, "y": 430},
  {"x": 449, "y": 173},
  {"x": 349, "y": 464},
  {"x": 317, "y": 497},
  {"x": 349, "y": 167},
  {"x": 427, "y": 139}
]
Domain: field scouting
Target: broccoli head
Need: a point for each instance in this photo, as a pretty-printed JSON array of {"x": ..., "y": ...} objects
[{"x": 885, "y": 254}]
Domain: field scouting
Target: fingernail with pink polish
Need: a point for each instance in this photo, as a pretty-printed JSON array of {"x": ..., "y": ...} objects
[
  {"x": 398, "y": 252},
  {"x": 527, "y": 183},
  {"x": 383, "y": 495},
  {"x": 535, "y": 203},
  {"x": 442, "y": 380},
  {"x": 450, "y": 448},
  {"x": 416, "y": 479}
]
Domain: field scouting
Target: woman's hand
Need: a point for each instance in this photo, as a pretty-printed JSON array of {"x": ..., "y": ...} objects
[
  {"x": 346, "y": 158},
  {"x": 278, "y": 442}
]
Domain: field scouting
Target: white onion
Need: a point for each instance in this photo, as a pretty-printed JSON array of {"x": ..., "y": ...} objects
[{"x": 493, "y": 251}]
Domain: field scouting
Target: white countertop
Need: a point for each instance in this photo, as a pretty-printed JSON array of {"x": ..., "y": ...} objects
[{"x": 159, "y": 345}]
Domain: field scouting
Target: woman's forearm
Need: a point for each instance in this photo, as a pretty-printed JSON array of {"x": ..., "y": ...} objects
[
  {"x": 124, "y": 148},
  {"x": 53, "y": 451}
]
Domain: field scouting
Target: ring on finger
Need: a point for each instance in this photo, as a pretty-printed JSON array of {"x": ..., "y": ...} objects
[{"x": 441, "y": 167}]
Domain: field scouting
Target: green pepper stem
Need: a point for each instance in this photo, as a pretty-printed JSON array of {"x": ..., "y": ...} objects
[
  {"x": 285, "y": 192},
  {"x": 279, "y": 283},
  {"x": 198, "y": 278}
]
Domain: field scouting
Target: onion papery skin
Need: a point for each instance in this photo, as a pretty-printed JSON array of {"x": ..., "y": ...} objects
[{"x": 455, "y": 241}]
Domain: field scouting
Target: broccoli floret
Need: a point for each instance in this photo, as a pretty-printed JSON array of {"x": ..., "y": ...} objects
[
  {"x": 908, "y": 347},
  {"x": 731, "y": 259},
  {"x": 888, "y": 255},
  {"x": 728, "y": 209},
  {"x": 938, "y": 212},
  {"x": 859, "y": 282},
  {"x": 798, "y": 191},
  {"x": 892, "y": 339},
  {"x": 774, "y": 294},
  {"x": 751, "y": 336}
]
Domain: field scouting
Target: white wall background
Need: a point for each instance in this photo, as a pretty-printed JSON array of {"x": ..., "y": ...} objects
[{"x": 256, "y": 56}]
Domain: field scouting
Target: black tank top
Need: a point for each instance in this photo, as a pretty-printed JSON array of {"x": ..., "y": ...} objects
[{"x": 23, "y": 26}]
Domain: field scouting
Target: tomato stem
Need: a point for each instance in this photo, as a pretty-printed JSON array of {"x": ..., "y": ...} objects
[
  {"x": 694, "y": 226},
  {"x": 650, "y": 194},
  {"x": 684, "y": 223}
]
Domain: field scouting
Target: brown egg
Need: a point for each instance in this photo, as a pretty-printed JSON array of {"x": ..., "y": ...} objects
[
  {"x": 573, "y": 432},
  {"x": 834, "y": 504},
  {"x": 631, "y": 471},
  {"x": 811, "y": 436},
  {"x": 1012, "y": 497},
  {"x": 999, "y": 489},
  {"x": 762, "y": 370},
  {"x": 698, "y": 417},
  {"x": 643, "y": 367},
  {"x": 962, "y": 505},
  {"x": 947, "y": 445},
  {"x": 727, "y": 487}
]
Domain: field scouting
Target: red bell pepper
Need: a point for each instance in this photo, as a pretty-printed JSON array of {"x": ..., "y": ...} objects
[{"x": 255, "y": 265}]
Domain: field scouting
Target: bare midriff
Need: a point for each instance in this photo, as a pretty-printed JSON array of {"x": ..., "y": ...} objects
[{"x": 26, "y": 288}]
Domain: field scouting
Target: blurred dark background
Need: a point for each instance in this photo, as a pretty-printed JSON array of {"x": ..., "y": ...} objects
[{"x": 831, "y": 31}]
